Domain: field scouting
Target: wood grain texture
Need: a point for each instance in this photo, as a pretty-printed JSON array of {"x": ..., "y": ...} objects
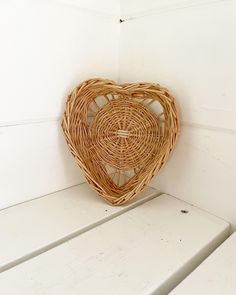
[{"x": 147, "y": 250}]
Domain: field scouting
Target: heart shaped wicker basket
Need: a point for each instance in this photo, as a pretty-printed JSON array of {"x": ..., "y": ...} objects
[{"x": 120, "y": 135}]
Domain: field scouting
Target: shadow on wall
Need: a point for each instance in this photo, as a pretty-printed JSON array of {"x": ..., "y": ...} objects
[{"x": 70, "y": 168}]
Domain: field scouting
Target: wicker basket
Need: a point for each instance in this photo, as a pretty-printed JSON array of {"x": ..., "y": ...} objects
[{"x": 120, "y": 135}]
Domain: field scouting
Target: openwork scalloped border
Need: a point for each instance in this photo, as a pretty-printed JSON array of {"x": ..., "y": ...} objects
[{"x": 120, "y": 135}]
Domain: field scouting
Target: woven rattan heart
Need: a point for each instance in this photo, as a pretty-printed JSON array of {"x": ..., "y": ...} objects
[{"x": 120, "y": 135}]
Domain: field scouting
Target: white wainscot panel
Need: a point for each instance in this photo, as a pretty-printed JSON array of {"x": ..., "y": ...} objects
[
  {"x": 202, "y": 171},
  {"x": 34, "y": 161},
  {"x": 47, "y": 48},
  {"x": 190, "y": 51}
]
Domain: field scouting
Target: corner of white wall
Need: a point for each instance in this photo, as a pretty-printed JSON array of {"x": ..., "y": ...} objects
[
  {"x": 47, "y": 47},
  {"x": 188, "y": 47}
]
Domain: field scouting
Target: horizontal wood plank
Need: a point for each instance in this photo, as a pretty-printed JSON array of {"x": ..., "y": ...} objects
[
  {"x": 147, "y": 250},
  {"x": 38, "y": 225},
  {"x": 216, "y": 275}
]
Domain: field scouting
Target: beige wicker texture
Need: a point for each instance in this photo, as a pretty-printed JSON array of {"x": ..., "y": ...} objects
[{"x": 120, "y": 135}]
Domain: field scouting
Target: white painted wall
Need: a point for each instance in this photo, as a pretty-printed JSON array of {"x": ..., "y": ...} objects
[
  {"x": 189, "y": 47},
  {"x": 47, "y": 47}
]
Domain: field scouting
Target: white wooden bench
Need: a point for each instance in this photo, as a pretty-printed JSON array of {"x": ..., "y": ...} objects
[
  {"x": 33, "y": 227},
  {"x": 72, "y": 243},
  {"x": 216, "y": 275}
]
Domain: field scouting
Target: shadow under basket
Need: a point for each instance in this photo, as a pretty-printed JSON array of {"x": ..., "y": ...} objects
[{"x": 120, "y": 135}]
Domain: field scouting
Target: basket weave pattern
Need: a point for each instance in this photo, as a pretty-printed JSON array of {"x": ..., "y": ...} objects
[{"x": 120, "y": 135}]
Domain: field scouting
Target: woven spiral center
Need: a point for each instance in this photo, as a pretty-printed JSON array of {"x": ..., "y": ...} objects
[{"x": 125, "y": 134}]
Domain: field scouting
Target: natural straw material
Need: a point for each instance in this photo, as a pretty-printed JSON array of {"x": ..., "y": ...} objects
[{"x": 120, "y": 135}]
